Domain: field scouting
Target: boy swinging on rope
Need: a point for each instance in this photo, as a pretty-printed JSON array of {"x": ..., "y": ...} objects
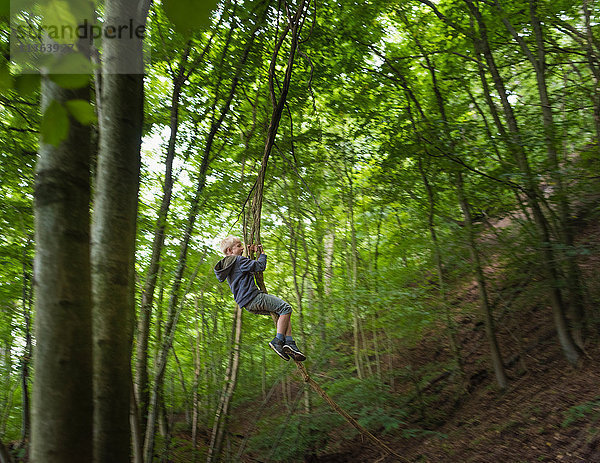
[{"x": 239, "y": 272}]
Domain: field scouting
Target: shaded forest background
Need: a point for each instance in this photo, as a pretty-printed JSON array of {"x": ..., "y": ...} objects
[{"x": 430, "y": 210}]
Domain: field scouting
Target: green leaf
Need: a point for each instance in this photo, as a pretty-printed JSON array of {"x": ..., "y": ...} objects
[
  {"x": 82, "y": 111},
  {"x": 59, "y": 18},
  {"x": 70, "y": 71},
  {"x": 6, "y": 79},
  {"x": 189, "y": 15},
  {"x": 70, "y": 80},
  {"x": 55, "y": 124},
  {"x": 27, "y": 84},
  {"x": 4, "y": 8}
]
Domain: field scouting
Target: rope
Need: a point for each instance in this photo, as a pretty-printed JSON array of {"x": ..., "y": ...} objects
[
  {"x": 294, "y": 27},
  {"x": 315, "y": 387}
]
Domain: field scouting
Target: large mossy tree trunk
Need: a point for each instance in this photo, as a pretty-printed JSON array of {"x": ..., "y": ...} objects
[{"x": 62, "y": 406}]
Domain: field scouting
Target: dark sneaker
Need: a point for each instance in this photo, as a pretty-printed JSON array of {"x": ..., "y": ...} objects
[
  {"x": 291, "y": 349},
  {"x": 277, "y": 345}
]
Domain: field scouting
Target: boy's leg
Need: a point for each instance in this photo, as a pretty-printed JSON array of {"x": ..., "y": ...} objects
[
  {"x": 283, "y": 324},
  {"x": 290, "y": 348},
  {"x": 283, "y": 344},
  {"x": 286, "y": 331},
  {"x": 279, "y": 341}
]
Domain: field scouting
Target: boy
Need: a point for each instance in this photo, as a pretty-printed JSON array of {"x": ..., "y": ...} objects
[{"x": 239, "y": 272}]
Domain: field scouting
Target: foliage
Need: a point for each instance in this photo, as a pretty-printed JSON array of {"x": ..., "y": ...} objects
[{"x": 362, "y": 221}]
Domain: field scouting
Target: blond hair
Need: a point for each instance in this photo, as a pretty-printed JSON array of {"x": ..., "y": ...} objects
[{"x": 228, "y": 242}]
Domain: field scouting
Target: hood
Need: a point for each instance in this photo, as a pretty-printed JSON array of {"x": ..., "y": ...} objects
[{"x": 224, "y": 266}]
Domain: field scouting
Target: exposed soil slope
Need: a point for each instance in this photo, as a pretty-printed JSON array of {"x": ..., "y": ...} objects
[{"x": 550, "y": 411}]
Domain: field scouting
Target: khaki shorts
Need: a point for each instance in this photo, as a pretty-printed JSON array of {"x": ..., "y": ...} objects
[{"x": 266, "y": 304}]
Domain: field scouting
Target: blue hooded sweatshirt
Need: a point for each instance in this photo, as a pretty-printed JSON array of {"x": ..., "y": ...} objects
[{"x": 239, "y": 272}]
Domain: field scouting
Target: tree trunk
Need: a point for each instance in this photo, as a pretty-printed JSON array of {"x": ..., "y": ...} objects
[
  {"x": 356, "y": 319},
  {"x": 5, "y": 456},
  {"x": 317, "y": 295},
  {"x": 62, "y": 413},
  {"x": 220, "y": 423},
  {"x": 297, "y": 234},
  {"x": 143, "y": 331},
  {"x": 486, "y": 310},
  {"x": 348, "y": 201},
  {"x": 200, "y": 340},
  {"x": 7, "y": 386},
  {"x": 531, "y": 189},
  {"x": 137, "y": 443},
  {"x": 431, "y": 211},
  {"x": 113, "y": 235},
  {"x": 594, "y": 67},
  {"x": 566, "y": 232},
  {"x": 27, "y": 299},
  {"x": 278, "y": 103},
  {"x": 174, "y": 311},
  {"x": 329, "y": 253},
  {"x": 496, "y": 357},
  {"x": 441, "y": 273}
]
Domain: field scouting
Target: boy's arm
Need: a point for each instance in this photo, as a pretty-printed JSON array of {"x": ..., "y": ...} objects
[{"x": 253, "y": 266}]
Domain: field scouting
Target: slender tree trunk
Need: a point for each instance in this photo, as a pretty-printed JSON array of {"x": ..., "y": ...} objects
[
  {"x": 356, "y": 320},
  {"x": 113, "y": 235},
  {"x": 5, "y": 456},
  {"x": 486, "y": 310},
  {"x": 496, "y": 357},
  {"x": 143, "y": 331},
  {"x": 174, "y": 311},
  {"x": 199, "y": 341},
  {"x": 297, "y": 234},
  {"x": 329, "y": 253},
  {"x": 375, "y": 318},
  {"x": 594, "y": 66},
  {"x": 220, "y": 423},
  {"x": 353, "y": 272},
  {"x": 566, "y": 232},
  {"x": 436, "y": 251},
  {"x": 495, "y": 113},
  {"x": 7, "y": 386},
  {"x": 27, "y": 301},
  {"x": 441, "y": 274},
  {"x": 137, "y": 443},
  {"x": 62, "y": 413},
  {"x": 319, "y": 283},
  {"x": 531, "y": 188}
]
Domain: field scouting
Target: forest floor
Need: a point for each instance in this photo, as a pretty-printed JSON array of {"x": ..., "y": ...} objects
[{"x": 549, "y": 412}]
